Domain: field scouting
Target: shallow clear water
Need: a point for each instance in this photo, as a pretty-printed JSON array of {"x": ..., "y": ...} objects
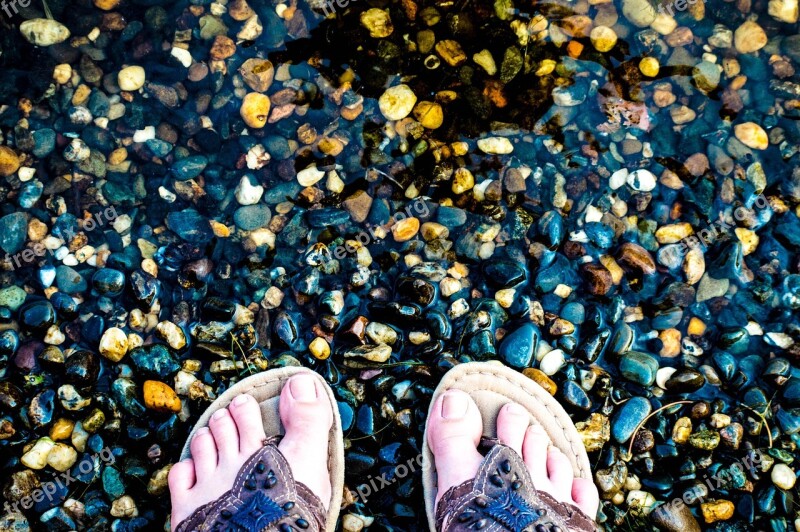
[{"x": 602, "y": 195}]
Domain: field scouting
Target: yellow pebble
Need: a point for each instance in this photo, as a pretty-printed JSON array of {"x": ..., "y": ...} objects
[
  {"x": 696, "y": 327},
  {"x": 603, "y": 38},
  {"x": 649, "y": 66},
  {"x": 160, "y": 397},
  {"x": 61, "y": 429},
  {"x": 255, "y": 110},
  {"x": 748, "y": 238},
  {"x": 540, "y": 378},
  {"x": 429, "y": 114},
  {"x": 319, "y": 348},
  {"x": 547, "y": 67}
]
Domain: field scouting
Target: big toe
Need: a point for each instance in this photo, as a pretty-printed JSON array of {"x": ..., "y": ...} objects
[
  {"x": 307, "y": 417},
  {"x": 454, "y": 431}
]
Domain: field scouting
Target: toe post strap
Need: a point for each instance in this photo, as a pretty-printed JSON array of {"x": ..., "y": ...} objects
[
  {"x": 264, "y": 498},
  {"x": 502, "y": 498}
]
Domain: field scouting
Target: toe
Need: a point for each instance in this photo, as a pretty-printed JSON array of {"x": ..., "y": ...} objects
[
  {"x": 455, "y": 420},
  {"x": 181, "y": 477},
  {"x": 307, "y": 417},
  {"x": 559, "y": 469},
  {"x": 454, "y": 431},
  {"x": 246, "y": 415},
  {"x": 225, "y": 435},
  {"x": 304, "y": 407},
  {"x": 585, "y": 495},
  {"x": 512, "y": 423},
  {"x": 534, "y": 453},
  {"x": 204, "y": 453}
]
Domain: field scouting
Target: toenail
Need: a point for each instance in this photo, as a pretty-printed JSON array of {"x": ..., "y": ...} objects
[
  {"x": 454, "y": 406},
  {"x": 203, "y": 430},
  {"x": 516, "y": 409},
  {"x": 303, "y": 389},
  {"x": 241, "y": 399},
  {"x": 219, "y": 414},
  {"x": 538, "y": 429}
]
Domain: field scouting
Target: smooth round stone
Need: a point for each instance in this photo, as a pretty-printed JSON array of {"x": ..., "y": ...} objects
[
  {"x": 12, "y": 297},
  {"x": 675, "y": 518},
  {"x": 190, "y": 167},
  {"x": 639, "y": 367},
  {"x": 783, "y": 476},
  {"x": 552, "y": 362},
  {"x": 642, "y": 180},
  {"x": 13, "y": 232},
  {"x": 44, "y": 31},
  {"x": 190, "y": 225},
  {"x": 255, "y": 110},
  {"x": 108, "y": 282},
  {"x": 518, "y": 347},
  {"x": 503, "y": 273},
  {"x": 131, "y": 78},
  {"x": 397, "y": 102},
  {"x": 9, "y": 343},
  {"x": 38, "y": 316},
  {"x": 154, "y": 360},
  {"x": 82, "y": 367},
  {"x": 685, "y": 380},
  {"x": 628, "y": 417},
  {"x": 575, "y": 396},
  {"x": 252, "y": 217}
]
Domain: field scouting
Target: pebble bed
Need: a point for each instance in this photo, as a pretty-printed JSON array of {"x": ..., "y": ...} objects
[{"x": 602, "y": 194}]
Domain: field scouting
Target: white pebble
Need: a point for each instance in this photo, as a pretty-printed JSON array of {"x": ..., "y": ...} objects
[
  {"x": 131, "y": 78},
  {"x": 642, "y": 180},
  {"x": 663, "y": 375},
  {"x": 618, "y": 178},
  {"x": 248, "y": 194},
  {"x": 552, "y": 362},
  {"x": 183, "y": 56},
  {"x": 310, "y": 176},
  {"x": 783, "y": 476}
]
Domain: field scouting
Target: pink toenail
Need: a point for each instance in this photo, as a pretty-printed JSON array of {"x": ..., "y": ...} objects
[
  {"x": 219, "y": 414},
  {"x": 516, "y": 409},
  {"x": 203, "y": 430},
  {"x": 303, "y": 389},
  {"x": 241, "y": 399},
  {"x": 454, "y": 406}
]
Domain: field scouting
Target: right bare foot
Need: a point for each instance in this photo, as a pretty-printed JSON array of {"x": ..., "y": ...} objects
[
  {"x": 236, "y": 433},
  {"x": 454, "y": 431}
]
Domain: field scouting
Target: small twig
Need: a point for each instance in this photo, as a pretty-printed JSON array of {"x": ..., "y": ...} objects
[
  {"x": 759, "y": 414},
  {"x": 641, "y": 424},
  {"x": 235, "y": 342},
  {"x": 47, "y": 11},
  {"x": 373, "y": 434}
]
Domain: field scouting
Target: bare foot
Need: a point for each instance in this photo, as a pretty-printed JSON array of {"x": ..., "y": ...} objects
[
  {"x": 454, "y": 431},
  {"x": 236, "y": 432}
]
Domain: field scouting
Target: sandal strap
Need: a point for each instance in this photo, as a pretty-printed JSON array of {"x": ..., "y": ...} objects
[
  {"x": 502, "y": 498},
  {"x": 264, "y": 498}
]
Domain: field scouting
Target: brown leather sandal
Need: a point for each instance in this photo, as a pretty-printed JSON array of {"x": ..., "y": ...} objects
[
  {"x": 502, "y": 496},
  {"x": 265, "y": 497}
]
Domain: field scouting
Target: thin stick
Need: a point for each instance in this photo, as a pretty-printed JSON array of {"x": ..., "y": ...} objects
[
  {"x": 47, "y": 10},
  {"x": 639, "y": 426}
]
